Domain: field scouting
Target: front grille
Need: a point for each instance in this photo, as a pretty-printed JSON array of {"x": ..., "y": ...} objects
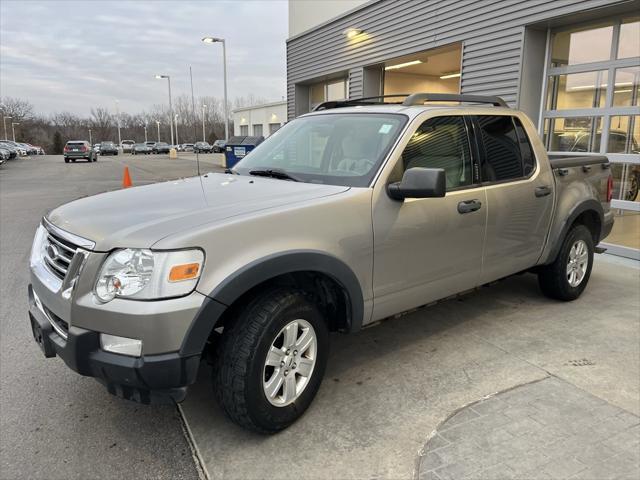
[{"x": 58, "y": 254}]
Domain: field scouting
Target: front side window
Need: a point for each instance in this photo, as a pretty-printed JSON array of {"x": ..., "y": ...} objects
[
  {"x": 441, "y": 142},
  {"x": 502, "y": 157},
  {"x": 336, "y": 149}
]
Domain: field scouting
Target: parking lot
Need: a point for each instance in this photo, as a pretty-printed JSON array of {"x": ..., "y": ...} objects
[{"x": 389, "y": 393}]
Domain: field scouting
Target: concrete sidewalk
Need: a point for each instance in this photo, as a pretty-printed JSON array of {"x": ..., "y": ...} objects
[{"x": 388, "y": 388}]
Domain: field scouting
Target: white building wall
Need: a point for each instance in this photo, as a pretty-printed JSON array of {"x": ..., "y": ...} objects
[
  {"x": 306, "y": 14},
  {"x": 265, "y": 115}
]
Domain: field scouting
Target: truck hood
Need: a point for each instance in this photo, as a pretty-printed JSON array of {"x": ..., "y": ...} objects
[{"x": 141, "y": 216}]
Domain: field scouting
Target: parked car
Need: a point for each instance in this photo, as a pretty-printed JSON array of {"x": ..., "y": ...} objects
[
  {"x": 218, "y": 146},
  {"x": 202, "y": 147},
  {"x": 349, "y": 215},
  {"x": 108, "y": 148},
  {"x": 96, "y": 148},
  {"x": 20, "y": 150},
  {"x": 150, "y": 144},
  {"x": 31, "y": 149},
  {"x": 5, "y": 154},
  {"x": 13, "y": 152},
  {"x": 141, "y": 149},
  {"x": 160, "y": 147},
  {"x": 77, "y": 150},
  {"x": 185, "y": 147},
  {"x": 127, "y": 146}
]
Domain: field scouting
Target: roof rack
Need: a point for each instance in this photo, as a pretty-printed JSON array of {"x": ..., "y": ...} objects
[
  {"x": 420, "y": 98},
  {"x": 352, "y": 102}
]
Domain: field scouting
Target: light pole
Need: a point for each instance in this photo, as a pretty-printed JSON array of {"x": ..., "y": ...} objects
[
  {"x": 90, "y": 140},
  {"x": 176, "y": 120},
  {"x": 224, "y": 68},
  {"x": 118, "y": 119},
  {"x": 4, "y": 120},
  {"x": 145, "y": 132},
  {"x": 13, "y": 130},
  {"x": 158, "y": 125},
  {"x": 170, "y": 107},
  {"x": 204, "y": 139}
]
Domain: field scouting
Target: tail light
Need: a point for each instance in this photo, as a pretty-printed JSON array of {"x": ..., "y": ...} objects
[
  {"x": 66, "y": 148},
  {"x": 609, "y": 188},
  {"x": 83, "y": 149}
]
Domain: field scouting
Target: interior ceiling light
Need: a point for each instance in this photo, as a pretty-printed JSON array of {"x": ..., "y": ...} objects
[
  {"x": 450, "y": 75},
  {"x": 402, "y": 65},
  {"x": 352, "y": 32}
]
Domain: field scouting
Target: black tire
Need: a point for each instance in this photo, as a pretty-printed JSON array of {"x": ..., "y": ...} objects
[
  {"x": 239, "y": 368},
  {"x": 553, "y": 278},
  {"x": 66, "y": 160}
]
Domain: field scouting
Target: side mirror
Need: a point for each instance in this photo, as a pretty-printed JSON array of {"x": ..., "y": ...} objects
[{"x": 418, "y": 182}]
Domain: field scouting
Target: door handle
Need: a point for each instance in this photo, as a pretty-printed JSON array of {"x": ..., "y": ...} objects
[
  {"x": 543, "y": 191},
  {"x": 469, "y": 206}
]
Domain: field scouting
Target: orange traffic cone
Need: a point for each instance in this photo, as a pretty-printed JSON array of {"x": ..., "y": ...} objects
[{"x": 126, "y": 179}]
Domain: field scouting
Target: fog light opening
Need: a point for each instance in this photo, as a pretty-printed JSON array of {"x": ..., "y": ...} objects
[{"x": 121, "y": 345}]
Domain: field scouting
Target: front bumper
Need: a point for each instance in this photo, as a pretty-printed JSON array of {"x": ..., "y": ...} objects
[{"x": 161, "y": 378}]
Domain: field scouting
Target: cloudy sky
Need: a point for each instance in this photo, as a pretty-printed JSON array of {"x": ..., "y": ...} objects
[{"x": 74, "y": 55}]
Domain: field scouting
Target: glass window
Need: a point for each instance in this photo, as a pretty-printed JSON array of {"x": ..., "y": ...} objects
[
  {"x": 626, "y": 178},
  {"x": 441, "y": 142},
  {"x": 626, "y": 226},
  {"x": 337, "y": 90},
  {"x": 627, "y": 87},
  {"x": 273, "y": 128},
  {"x": 502, "y": 159},
  {"x": 629, "y": 43},
  {"x": 257, "y": 130},
  {"x": 573, "y": 134},
  {"x": 582, "y": 45},
  {"x": 317, "y": 94},
  {"x": 335, "y": 149},
  {"x": 528, "y": 158},
  {"x": 624, "y": 134},
  {"x": 244, "y": 130},
  {"x": 577, "y": 90}
]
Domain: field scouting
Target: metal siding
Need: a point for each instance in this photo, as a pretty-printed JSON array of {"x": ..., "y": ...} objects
[{"x": 492, "y": 34}]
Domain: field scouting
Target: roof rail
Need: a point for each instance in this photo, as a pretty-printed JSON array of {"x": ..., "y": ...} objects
[
  {"x": 359, "y": 101},
  {"x": 420, "y": 98}
]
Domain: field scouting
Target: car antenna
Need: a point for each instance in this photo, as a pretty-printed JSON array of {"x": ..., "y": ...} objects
[{"x": 195, "y": 127}]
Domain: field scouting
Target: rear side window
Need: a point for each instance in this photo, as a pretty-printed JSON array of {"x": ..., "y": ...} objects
[
  {"x": 502, "y": 158},
  {"x": 441, "y": 142}
]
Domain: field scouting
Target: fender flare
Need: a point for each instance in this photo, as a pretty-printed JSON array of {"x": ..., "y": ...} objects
[
  {"x": 261, "y": 270},
  {"x": 587, "y": 205}
]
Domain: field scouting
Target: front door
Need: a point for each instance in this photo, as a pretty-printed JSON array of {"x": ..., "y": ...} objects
[{"x": 429, "y": 248}]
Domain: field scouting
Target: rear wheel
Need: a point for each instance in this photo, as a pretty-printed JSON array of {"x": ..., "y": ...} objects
[
  {"x": 271, "y": 361},
  {"x": 567, "y": 277},
  {"x": 66, "y": 160}
]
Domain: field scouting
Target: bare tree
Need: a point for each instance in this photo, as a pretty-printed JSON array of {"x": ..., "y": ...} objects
[
  {"x": 102, "y": 124},
  {"x": 16, "y": 108}
]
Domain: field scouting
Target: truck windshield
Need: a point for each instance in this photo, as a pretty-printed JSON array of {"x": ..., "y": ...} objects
[{"x": 336, "y": 149}]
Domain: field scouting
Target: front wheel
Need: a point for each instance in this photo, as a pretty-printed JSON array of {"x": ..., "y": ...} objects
[
  {"x": 271, "y": 360},
  {"x": 567, "y": 277}
]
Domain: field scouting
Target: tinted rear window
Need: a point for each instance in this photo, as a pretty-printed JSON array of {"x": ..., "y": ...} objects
[
  {"x": 75, "y": 144},
  {"x": 502, "y": 159}
]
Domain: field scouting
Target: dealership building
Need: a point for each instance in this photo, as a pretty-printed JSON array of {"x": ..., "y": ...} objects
[{"x": 572, "y": 65}]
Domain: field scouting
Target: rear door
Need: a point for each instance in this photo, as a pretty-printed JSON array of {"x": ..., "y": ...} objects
[
  {"x": 428, "y": 248},
  {"x": 519, "y": 196}
]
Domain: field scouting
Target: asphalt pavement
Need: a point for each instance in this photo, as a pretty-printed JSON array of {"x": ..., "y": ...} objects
[{"x": 55, "y": 424}]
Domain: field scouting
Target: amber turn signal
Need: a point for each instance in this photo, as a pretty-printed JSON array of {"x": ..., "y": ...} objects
[{"x": 187, "y": 271}]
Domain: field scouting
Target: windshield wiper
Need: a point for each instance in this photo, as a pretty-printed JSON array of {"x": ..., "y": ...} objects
[{"x": 274, "y": 173}]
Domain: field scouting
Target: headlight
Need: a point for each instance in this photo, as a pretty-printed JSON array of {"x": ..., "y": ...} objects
[
  {"x": 143, "y": 274},
  {"x": 38, "y": 245}
]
